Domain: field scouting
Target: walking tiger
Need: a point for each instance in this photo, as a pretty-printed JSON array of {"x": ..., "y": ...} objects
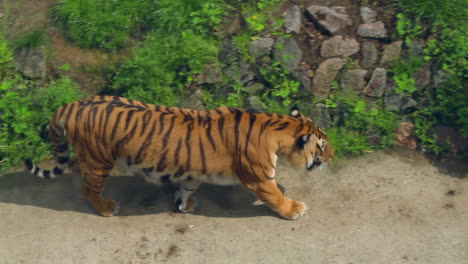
[{"x": 222, "y": 146}]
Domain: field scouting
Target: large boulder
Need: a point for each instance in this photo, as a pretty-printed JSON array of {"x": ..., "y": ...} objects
[
  {"x": 261, "y": 46},
  {"x": 367, "y": 14},
  {"x": 339, "y": 46},
  {"x": 324, "y": 76},
  {"x": 376, "y": 85},
  {"x": 369, "y": 54},
  {"x": 391, "y": 53},
  {"x": 292, "y": 20},
  {"x": 320, "y": 116},
  {"x": 288, "y": 53},
  {"x": 331, "y": 19},
  {"x": 32, "y": 62},
  {"x": 372, "y": 30},
  {"x": 353, "y": 80}
]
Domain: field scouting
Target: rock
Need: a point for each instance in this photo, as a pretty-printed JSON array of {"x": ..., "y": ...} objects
[
  {"x": 369, "y": 54},
  {"x": 451, "y": 138},
  {"x": 231, "y": 27},
  {"x": 212, "y": 73},
  {"x": 254, "y": 87},
  {"x": 417, "y": 48},
  {"x": 439, "y": 78},
  {"x": 396, "y": 102},
  {"x": 391, "y": 53},
  {"x": 261, "y": 46},
  {"x": 339, "y": 46},
  {"x": 353, "y": 80},
  {"x": 331, "y": 19},
  {"x": 320, "y": 116},
  {"x": 423, "y": 76},
  {"x": 253, "y": 104},
  {"x": 405, "y": 135},
  {"x": 324, "y": 75},
  {"x": 229, "y": 53},
  {"x": 292, "y": 20},
  {"x": 32, "y": 62},
  {"x": 302, "y": 77},
  {"x": 288, "y": 53},
  {"x": 194, "y": 101},
  {"x": 240, "y": 71},
  {"x": 376, "y": 85},
  {"x": 372, "y": 30},
  {"x": 367, "y": 14}
]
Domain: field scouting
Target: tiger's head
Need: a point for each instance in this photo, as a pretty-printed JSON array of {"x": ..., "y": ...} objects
[{"x": 311, "y": 147}]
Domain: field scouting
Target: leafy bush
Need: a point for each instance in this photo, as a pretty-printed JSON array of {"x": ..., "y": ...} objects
[
  {"x": 359, "y": 125},
  {"x": 101, "y": 23},
  {"x": 446, "y": 50},
  {"x": 164, "y": 66}
]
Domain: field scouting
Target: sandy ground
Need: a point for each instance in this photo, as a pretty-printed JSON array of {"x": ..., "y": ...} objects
[{"x": 396, "y": 207}]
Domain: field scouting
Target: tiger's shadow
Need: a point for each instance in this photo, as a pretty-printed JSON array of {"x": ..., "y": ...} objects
[{"x": 136, "y": 197}]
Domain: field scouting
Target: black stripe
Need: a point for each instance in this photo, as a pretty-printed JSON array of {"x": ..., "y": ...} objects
[
  {"x": 209, "y": 136},
  {"x": 69, "y": 113},
  {"x": 188, "y": 146},
  {"x": 162, "y": 162},
  {"x": 63, "y": 160},
  {"x": 146, "y": 119},
  {"x": 237, "y": 120},
  {"x": 147, "y": 170},
  {"x": 139, "y": 156},
  {"x": 165, "y": 178},
  {"x": 116, "y": 123},
  {"x": 62, "y": 110},
  {"x": 58, "y": 171},
  {"x": 253, "y": 117},
  {"x": 168, "y": 133},
  {"x": 36, "y": 170},
  {"x": 282, "y": 126},
  {"x": 129, "y": 117},
  {"x": 161, "y": 122},
  {"x": 221, "y": 127},
  {"x": 46, "y": 174},
  {"x": 202, "y": 154},
  {"x": 177, "y": 151},
  {"x": 298, "y": 129},
  {"x": 61, "y": 148},
  {"x": 179, "y": 173}
]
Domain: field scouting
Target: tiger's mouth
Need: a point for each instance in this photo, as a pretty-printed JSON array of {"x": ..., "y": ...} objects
[{"x": 316, "y": 162}]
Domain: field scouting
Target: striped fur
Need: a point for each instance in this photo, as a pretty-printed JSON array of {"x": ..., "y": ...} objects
[{"x": 173, "y": 145}]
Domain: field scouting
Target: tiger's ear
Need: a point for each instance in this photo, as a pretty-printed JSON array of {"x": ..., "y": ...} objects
[
  {"x": 303, "y": 140},
  {"x": 294, "y": 112}
]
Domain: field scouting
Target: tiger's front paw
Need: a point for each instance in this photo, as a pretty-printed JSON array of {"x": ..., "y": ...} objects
[{"x": 293, "y": 210}]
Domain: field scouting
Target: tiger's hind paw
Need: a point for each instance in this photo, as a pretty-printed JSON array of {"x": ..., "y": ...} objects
[
  {"x": 108, "y": 207},
  {"x": 188, "y": 206}
]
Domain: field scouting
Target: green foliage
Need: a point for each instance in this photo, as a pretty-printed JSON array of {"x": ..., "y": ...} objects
[
  {"x": 446, "y": 50},
  {"x": 404, "y": 71},
  {"x": 408, "y": 28},
  {"x": 164, "y": 66},
  {"x": 101, "y": 23},
  {"x": 25, "y": 115},
  {"x": 359, "y": 125},
  {"x": 282, "y": 87},
  {"x": 6, "y": 57},
  {"x": 235, "y": 98},
  {"x": 31, "y": 39},
  {"x": 257, "y": 14}
]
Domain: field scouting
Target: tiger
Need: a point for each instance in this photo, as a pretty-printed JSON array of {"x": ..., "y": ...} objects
[{"x": 162, "y": 144}]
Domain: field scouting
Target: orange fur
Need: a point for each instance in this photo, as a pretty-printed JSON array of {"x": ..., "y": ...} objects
[{"x": 167, "y": 144}]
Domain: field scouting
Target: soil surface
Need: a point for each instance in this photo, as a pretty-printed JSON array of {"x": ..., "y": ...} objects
[{"x": 395, "y": 207}]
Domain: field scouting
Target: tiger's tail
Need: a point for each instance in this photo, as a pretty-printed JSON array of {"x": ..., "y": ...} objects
[{"x": 57, "y": 135}]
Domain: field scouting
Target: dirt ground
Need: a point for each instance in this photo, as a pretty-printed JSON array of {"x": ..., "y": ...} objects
[{"x": 396, "y": 207}]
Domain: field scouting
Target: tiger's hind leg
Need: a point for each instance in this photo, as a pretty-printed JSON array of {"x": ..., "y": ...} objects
[
  {"x": 185, "y": 202},
  {"x": 267, "y": 190},
  {"x": 93, "y": 185}
]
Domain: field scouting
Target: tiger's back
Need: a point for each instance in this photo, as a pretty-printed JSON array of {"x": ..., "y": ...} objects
[{"x": 167, "y": 144}]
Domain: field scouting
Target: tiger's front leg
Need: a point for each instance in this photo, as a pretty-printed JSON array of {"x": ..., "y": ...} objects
[
  {"x": 185, "y": 202},
  {"x": 267, "y": 190}
]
